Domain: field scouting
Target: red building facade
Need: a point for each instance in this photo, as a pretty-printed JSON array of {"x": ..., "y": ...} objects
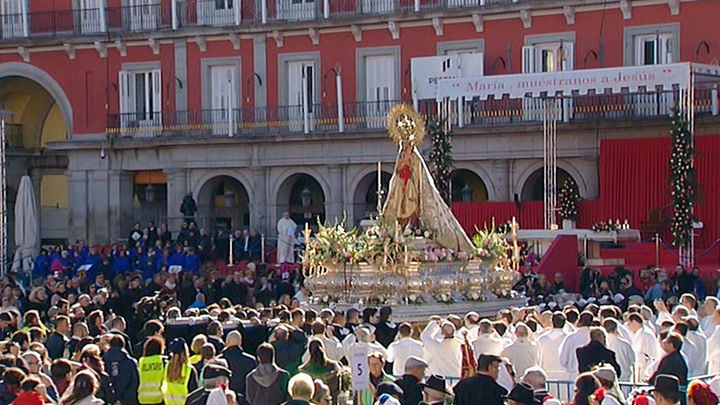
[{"x": 153, "y": 82}]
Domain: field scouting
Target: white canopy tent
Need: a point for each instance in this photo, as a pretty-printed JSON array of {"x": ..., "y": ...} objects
[
  {"x": 27, "y": 228},
  {"x": 553, "y": 87}
]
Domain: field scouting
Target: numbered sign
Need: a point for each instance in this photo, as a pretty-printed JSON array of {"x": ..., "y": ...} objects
[{"x": 359, "y": 365}]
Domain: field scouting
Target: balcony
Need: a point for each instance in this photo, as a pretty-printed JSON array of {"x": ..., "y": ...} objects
[
  {"x": 193, "y": 14},
  {"x": 370, "y": 116}
]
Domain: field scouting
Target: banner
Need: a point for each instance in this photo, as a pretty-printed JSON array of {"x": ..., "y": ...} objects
[
  {"x": 428, "y": 71},
  {"x": 580, "y": 81}
]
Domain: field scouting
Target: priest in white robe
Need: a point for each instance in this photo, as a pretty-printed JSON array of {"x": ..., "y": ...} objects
[
  {"x": 550, "y": 345},
  {"x": 286, "y": 228}
]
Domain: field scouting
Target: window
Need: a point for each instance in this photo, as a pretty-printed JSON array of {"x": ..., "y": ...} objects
[
  {"x": 651, "y": 44},
  {"x": 140, "y": 97},
  {"x": 379, "y": 82},
  {"x": 92, "y": 16},
  {"x": 223, "y": 4},
  {"x": 547, "y": 57},
  {"x": 653, "y": 49},
  {"x": 144, "y": 14},
  {"x": 13, "y": 18}
]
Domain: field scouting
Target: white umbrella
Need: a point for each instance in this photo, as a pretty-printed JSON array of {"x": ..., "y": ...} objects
[{"x": 27, "y": 228}]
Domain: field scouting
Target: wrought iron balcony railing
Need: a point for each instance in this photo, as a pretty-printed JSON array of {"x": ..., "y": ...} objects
[
  {"x": 182, "y": 14},
  {"x": 370, "y": 116}
]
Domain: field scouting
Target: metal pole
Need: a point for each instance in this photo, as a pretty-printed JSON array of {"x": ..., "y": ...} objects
[
  {"x": 3, "y": 195},
  {"x": 341, "y": 113},
  {"x": 657, "y": 250}
]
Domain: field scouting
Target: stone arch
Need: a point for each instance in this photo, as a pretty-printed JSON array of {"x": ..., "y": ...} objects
[
  {"x": 530, "y": 175},
  {"x": 467, "y": 186},
  {"x": 223, "y": 203},
  {"x": 290, "y": 196},
  {"x": 364, "y": 193},
  {"x": 482, "y": 174},
  {"x": 43, "y": 79}
]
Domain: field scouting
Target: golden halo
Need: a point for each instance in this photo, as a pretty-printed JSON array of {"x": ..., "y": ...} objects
[{"x": 404, "y": 124}]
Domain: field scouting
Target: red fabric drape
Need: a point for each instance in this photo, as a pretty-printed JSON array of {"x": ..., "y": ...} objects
[{"x": 633, "y": 181}]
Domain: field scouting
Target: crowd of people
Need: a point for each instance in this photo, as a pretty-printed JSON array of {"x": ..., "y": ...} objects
[{"x": 157, "y": 323}]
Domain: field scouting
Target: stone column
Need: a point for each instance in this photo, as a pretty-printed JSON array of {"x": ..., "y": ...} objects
[
  {"x": 177, "y": 187},
  {"x": 590, "y": 174},
  {"x": 258, "y": 207},
  {"x": 334, "y": 201},
  {"x": 501, "y": 176},
  {"x": 78, "y": 206},
  {"x": 120, "y": 198}
]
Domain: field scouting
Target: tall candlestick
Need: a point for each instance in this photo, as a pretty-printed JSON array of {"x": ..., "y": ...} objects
[
  {"x": 262, "y": 248},
  {"x": 230, "y": 262},
  {"x": 379, "y": 187}
]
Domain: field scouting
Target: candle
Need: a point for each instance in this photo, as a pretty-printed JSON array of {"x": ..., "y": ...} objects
[
  {"x": 262, "y": 249},
  {"x": 230, "y": 262}
]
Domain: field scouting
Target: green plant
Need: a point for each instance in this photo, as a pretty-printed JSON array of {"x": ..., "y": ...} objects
[
  {"x": 683, "y": 182},
  {"x": 568, "y": 199},
  {"x": 333, "y": 246}
]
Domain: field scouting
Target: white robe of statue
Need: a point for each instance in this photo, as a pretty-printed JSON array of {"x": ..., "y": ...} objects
[{"x": 286, "y": 240}]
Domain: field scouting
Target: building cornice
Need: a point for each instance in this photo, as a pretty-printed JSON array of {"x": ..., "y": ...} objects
[{"x": 329, "y": 26}]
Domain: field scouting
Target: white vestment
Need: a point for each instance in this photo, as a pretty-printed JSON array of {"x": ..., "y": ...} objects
[
  {"x": 713, "y": 352},
  {"x": 549, "y": 359},
  {"x": 624, "y": 354},
  {"x": 568, "y": 356},
  {"x": 286, "y": 240},
  {"x": 646, "y": 350},
  {"x": 400, "y": 350},
  {"x": 444, "y": 356},
  {"x": 488, "y": 343},
  {"x": 523, "y": 354}
]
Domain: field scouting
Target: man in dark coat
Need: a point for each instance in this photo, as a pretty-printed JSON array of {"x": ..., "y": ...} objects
[
  {"x": 267, "y": 384},
  {"x": 123, "y": 371},
  {"x": 290, "y": 344},
  {"x": 240, "y": 362},
  {"x": 410, "y": 381},
  {"x": 214, "y": 376},
  {"x": 58, "y": 341},
  {"x": 595, "y": 353},
  {"x": 673, "y": 362},
  {"x": 483, "y": 386}
]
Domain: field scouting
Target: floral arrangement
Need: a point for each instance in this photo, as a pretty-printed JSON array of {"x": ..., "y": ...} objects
[
  {"x": 386, "y": 245},
  {"x": 603, "y": 226},
  {"x": 415, "y": 299},
  {"x": 445, "y": 298},
  {"x": 420, "y": 231},
  {"x": 474, "y": 296},
  {"x": 436, "y": 255},
  {"x": 490, "y": 245},
  {"x": 333, "y": 246}
]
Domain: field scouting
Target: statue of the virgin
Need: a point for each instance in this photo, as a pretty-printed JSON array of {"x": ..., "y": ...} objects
[{"x": 413, "y": 198}]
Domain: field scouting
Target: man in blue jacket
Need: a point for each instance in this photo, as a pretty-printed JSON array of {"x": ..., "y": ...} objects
[{"x": 123, "y": 371}]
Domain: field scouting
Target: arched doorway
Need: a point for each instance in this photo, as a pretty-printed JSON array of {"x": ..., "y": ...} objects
[
  {"x": 150, "y": 199},
  {"x": 302, "y": 195},
  {"x": 466, "y": 186},
  {"x": 534, "y": 185},
  {"x": 223, "y": 203},
  {"x": 40, "y": 114},
  {"x": 365, "y": 197}
]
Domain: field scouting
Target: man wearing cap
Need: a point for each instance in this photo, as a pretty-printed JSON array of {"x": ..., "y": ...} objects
[
  {"x": 410, "y": 381},
  {"x": 214, "y": 377},
  {"x": 483, "y": 385},
  {"x": 434, "y": 390},
  {"x": 666, "y": 390},
  {"x": 522, "y": 394},
  {"x": 442, "y": 349}
]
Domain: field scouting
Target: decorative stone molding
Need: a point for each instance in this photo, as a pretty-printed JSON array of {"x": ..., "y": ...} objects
[
  {"x": 478, "y": 22},
  {"x": 101, "y": 49},
  {"x": 278, "y": 36},
  {"x": 569, "y": 12},
  {"x": 154, "y": 45},
  {"x": 526, "y": 17},
  {"x": 235, "y": 39},
  {"x": 357, "y": 32},
  {"x": 626, "y": 9},
  {"x": 394, "y": 29},
  {"x": 70, "y": 49},
  {"x": 314, "y": 35},
  {"x": 121, "y": 47},
  {"x": 201, "y": 43},
  {"x": 437, "y": 23}
]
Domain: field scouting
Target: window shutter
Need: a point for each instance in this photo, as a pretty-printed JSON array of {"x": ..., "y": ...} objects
[
  {"x": 568, "y": 60},
  {"x": 127, "y": 92},
  {"x": 528, "y": 59},
  {"x": 157, "y": 95}
]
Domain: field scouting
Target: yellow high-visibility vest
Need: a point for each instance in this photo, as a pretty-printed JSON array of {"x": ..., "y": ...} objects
[
  {"x": 176, "y": 392},
  {"x": 152, "y": 373}
]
